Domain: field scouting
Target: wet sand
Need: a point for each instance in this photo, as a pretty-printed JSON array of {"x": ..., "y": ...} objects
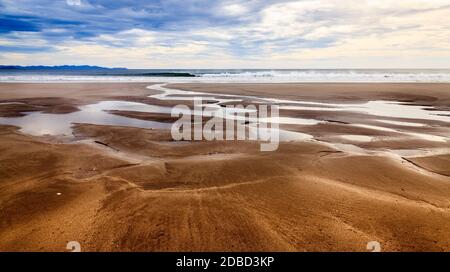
[
  {"x": 419, "y": 93},
  {"x": 115, "y": 188}
]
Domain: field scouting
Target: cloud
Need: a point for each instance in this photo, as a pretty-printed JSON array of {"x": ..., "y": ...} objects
[
  {"x": 234, "y": 34},
  {"x": 73, "y": 2}
]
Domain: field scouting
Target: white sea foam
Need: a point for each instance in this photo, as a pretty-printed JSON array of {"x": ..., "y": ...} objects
[
  {"x": 249, "y": 76},
  {"x": 330, "y": 76}
]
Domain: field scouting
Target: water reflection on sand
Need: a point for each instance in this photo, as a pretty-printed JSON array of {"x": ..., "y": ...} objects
[{"x": 39, "y": 123}]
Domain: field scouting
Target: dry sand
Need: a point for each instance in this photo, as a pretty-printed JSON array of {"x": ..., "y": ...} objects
[{"x": 140, "y": 191}]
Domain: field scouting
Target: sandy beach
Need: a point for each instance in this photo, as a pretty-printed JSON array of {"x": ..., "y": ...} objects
[{"x": 360, "y": 176}]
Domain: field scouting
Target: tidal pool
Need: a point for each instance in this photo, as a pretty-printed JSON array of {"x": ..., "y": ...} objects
[{"x": 39, "y": 123}]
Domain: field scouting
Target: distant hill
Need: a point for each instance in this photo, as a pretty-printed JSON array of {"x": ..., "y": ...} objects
[{"x": 58, "y": 68}]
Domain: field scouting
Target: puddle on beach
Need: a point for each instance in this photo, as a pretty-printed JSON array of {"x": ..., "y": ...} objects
[
  {"x": 381, "y": 108},
  {"x": 401, "y": 123},
  {"x": 410, "y": 153},
  {"x": 12, "y": 103},
  {"x": 39, "y": 123},
  {"x": 357, "y": 138}
]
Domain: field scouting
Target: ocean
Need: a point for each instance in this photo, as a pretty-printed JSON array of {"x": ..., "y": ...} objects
[{"x": 228, "y": 75}]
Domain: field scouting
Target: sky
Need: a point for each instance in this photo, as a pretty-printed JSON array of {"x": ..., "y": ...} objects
[{"x": 189, "y": 34}]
